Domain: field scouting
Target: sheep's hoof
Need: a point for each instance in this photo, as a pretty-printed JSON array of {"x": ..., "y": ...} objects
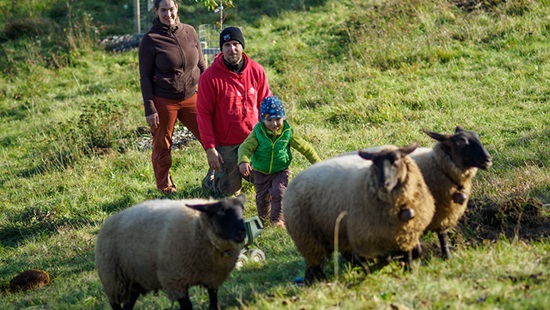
[
  {"x": 314, "y": 274},
  {"x": 406, "y": 215},
  {"x": 459, "y": 197}
]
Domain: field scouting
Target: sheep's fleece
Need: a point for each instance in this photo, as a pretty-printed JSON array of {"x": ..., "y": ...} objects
[
  {"x": 372, "y": 227},
  {"x": 166, "y": 244},
  {"x": 448, "y": 169}
]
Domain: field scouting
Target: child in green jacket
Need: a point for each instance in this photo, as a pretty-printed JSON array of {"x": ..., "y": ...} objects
[{"x": 266, "y": 153}]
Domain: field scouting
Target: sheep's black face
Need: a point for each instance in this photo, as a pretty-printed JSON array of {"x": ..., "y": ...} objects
[
  {"x": 469, "y": 150},
  {"x": 390, "y": 170},
  {"x": 389, "y": 165},
  {"x": 228, "y": 220},
  {"x": 231, "y": 223},
  {"x": 465, "y": 148},
  {"x": 226, "y": 217}
]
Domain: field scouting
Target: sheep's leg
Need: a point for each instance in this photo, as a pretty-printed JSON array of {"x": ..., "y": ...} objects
[
  {"x": 383, "y": 261},
  {"x": 417, "y": 251},
  {"x": 408, "y": 260},
  {"x": 116, "y": 306},
  {"x": 213, "y": 296},
  {"x": 444, "y": 242},
  {"x": 405, "y": 258},
  {"x": 314, "y": 273},
  {"x": 185, "y": 303},
  {"x": 130, "y": 304},
  {"x": 357, "y": 261}
]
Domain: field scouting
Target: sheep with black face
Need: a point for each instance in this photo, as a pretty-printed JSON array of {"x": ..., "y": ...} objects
[
  {"x": 448, "y": 169},
  {"x": 169, "y": 245},
  {"x": 380, "y": 196}
]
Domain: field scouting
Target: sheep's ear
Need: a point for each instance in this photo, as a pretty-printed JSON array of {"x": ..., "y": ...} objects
[
  {"x": 366, "y": 155},
  {"x": 208, "y": 207},
  {"x": 459, "y": 129},
  {"x": 241, "y": 198},
  {"x": 409, "y": 148},
  {"x": 436, "y": 136}
]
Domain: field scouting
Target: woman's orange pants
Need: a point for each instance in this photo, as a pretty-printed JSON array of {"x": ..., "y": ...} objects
[{"x": 169, "y": 111}]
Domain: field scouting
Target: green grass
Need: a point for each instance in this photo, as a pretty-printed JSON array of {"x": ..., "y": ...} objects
[{"x": 352, "y": 74}]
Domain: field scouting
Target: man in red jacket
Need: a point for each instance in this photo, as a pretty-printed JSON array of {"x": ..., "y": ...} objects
[{"x": 228, "y": 102}]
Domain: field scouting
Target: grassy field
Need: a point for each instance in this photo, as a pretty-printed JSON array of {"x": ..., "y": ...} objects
[{"x": 352, "y": 74}]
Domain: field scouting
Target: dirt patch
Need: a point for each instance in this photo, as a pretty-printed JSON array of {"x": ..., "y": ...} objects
[
  {"x": 523, "y": 218},
  {"x": 472, "y": 5},
  {"x": 486, "y": 221},
  {"x": 180, "y": 137}
]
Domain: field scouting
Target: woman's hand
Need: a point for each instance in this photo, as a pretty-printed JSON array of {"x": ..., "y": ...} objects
[{"x": 153, "y": 120}]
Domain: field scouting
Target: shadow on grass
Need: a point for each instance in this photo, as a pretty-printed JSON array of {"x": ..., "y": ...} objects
[
  {"x": 485, "y": 220},
  {"x": 189, "y": 192},
  {"x": 29, "y": 173},
  {"x": 37, "y": 222},
  {"x": 265, "y": 279}
]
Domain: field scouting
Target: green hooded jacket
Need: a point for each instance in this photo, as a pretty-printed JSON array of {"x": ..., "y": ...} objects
[{"x": 269, "y": 152}]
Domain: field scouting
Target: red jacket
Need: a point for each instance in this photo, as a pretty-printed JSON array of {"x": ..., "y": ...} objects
[{"x": 228, "y": 103}]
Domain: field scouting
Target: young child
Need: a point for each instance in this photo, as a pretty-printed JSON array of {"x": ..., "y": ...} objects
[{"x": 266, "y": 153}]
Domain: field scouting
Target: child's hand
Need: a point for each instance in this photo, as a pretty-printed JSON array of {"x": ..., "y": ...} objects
[{"x": 245, "y": 169}]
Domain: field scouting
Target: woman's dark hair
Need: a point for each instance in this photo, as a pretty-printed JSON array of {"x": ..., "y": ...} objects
[{"x": 157, "y": 2}]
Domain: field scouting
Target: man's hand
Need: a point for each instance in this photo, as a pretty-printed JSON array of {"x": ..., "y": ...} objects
[{"x": 215, "y": 159}]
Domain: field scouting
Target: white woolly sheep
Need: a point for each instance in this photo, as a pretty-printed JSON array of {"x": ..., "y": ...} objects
[
  {"x": 448, "y": 169},
  {"x": 388, "y": 207},
  {"x": 169, "y": 245}
]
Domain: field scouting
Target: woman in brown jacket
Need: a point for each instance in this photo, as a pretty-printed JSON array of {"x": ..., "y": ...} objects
[{"x": 170, "y": 63}]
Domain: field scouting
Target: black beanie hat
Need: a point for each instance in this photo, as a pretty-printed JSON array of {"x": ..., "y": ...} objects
[{"x": 230, "y": 34}]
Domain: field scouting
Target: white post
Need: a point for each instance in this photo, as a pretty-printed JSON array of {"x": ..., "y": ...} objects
[{"x": 137, "y": 16}]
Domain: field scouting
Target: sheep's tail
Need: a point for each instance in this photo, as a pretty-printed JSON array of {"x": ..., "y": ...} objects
[{"x": 336, "y": 238}]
